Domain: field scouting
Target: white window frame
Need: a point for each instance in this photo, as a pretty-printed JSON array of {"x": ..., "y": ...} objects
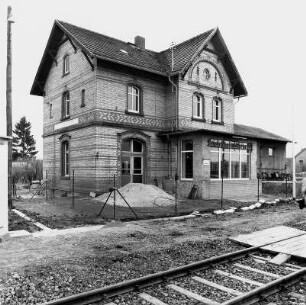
[
  {"x": 271, "y": 151},
  {"x": 66, "y": 65},
  {"x": 230, "y": 152},
  {"x": 217, "y": 104},
  {"x": 197, "y": 112},
  {"x": 66, "y": 158},
  {"x": 66, "y": 104},
  {"x": 135, "y": 99},
  {"x": 182, "y": 154}
]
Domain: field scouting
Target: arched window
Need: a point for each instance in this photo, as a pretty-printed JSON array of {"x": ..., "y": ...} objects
[
  {"x": 217, "y": 110},
  {"x": 134, "y": 99},
  {"x": 66, "y": 67},
  {"x": 66, "y": 105},
  {"x": 65, "y": 158},
  {"x": 197, "y": 106}
]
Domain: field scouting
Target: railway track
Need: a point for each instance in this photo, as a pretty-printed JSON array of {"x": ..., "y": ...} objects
[{"x": 241, "y": 277}]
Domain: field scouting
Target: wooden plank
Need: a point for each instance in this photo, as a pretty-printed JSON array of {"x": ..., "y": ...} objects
[
  {"x": 239, "y": 278},
  {"x": 257, "y": 270},
  {"x": 264, "y": 260},
  {"x": 214, "y": 285},
  {"x": 295, "y": 246},
  {"x": 280, "y": 259},
  {"x": 192, "y": 295},
  {"x": 151, "y": 299}
]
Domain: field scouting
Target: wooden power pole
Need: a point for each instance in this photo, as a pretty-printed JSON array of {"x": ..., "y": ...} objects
[{"x": 9, "y": 103}]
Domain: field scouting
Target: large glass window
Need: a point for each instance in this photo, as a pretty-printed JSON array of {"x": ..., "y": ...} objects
[
  {"x": 133, "y": 99},
  {"x": 187, "y": 159},
  {"x": 233, "y": 162}
]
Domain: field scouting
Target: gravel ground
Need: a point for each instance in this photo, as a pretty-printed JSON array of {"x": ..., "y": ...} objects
[{"x": 64, "y": 265}]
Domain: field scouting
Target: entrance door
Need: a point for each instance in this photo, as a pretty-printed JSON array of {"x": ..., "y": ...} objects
[{"x": 132, "y": 152}]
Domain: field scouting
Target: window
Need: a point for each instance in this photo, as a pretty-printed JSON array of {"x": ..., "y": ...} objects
[
  {"x": 197, "y": 106},
  {"x": 233, "y": 163},
  {"x": 271, "y": 151},
  {"x": 187, "y": 160},
  {"x": 65, "y": 158},
  {"x": 66, "y": 105},
  {"x": 66, "y": 65},
  {"x": 83, "y": 98},
  {"x": 217, "y": 110},
  {"x": 133, "y": 99},
  {"x": 50, "y": 111},
  {"x": 206, "y": 73}
]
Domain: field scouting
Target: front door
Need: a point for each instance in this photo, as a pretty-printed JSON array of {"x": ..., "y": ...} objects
[{"x": 132, "y": 153}]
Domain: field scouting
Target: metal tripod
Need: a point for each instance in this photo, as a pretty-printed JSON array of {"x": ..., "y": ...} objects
[{"x": 114, "y": 190}]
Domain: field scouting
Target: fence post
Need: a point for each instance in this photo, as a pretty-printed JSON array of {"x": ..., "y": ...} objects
[{"x": 73, "y": 188}]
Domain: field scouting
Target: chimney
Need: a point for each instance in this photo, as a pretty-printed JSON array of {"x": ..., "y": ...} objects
[{"x": 140, "y": 42}]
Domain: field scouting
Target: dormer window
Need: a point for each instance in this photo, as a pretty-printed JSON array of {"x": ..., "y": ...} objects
[
  {"x": 66, "y": 65},
  {"x": 133, "y": 104},
  {"x": 66, "y": 105}
]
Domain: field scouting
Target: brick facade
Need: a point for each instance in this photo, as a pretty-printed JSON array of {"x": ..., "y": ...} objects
[{"x": 99, "y": 124}]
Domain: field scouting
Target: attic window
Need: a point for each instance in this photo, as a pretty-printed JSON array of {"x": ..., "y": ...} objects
[
  {"x": 123, "y": 51},
  {"x": 66, "y": 65}
]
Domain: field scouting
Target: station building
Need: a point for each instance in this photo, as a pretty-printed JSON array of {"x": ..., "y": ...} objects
[{"x": 115, "y": 111}]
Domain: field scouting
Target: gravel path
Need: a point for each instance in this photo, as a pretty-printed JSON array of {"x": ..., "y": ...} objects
[{"x": 35, "y": 270}]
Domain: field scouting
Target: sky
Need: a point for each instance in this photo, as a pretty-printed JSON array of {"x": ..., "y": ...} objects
[{"x": 266, "y": 39}]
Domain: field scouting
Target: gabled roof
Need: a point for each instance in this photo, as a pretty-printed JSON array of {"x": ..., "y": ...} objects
[
  {"x": 300, "y": 152},
  {"x": 102, "y": 47},
  {"x": 257, "y": 133}
]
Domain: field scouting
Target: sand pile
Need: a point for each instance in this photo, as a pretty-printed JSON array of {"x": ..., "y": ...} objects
[{"x": 139, "y": 195}]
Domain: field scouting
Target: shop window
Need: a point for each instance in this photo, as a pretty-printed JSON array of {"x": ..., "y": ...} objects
[
  {"x": 134, "y": 100},
  {"x": 187, "y": 160},
  {"x": 66, "y": 105},
  {"x": 232, "y": 163},
  {"x": 197, "y": 106},
  {"x": 271, "y": 152},
  {"x": 217, "y": 110},
  {"x": 66, "y": 65},
  {"x": 65, "y": 158}
]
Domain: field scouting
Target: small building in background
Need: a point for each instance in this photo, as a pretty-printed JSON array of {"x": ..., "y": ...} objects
[{"x": 300, "y": 161}]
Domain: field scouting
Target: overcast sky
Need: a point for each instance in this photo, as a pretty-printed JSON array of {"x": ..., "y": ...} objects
[{"x": 266, "y": 39}]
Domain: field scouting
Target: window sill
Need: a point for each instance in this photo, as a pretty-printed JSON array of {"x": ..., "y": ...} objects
[
  {"x": 133, "y": 113},
  {"x": 198, "y": 119},
  {"x": 186, "y": 179},
  {"x": 65, "y": 74},
  {"x": 217, "y": 122},
  {"x": 230, "y": 179},
  {"x": 65, "y": 118},
  {"x": 65, "y": 177}
]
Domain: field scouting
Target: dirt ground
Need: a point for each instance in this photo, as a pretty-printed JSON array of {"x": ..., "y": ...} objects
[{"x": 16, "y": 253}]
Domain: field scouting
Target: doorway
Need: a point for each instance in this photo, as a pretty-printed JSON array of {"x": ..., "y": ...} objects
[{"x": 132, "y": 161}]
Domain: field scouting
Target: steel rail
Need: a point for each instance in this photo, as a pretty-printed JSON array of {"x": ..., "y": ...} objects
[
  {"x": 104, "y": 293},
  {"x": 268, "y": 289}
]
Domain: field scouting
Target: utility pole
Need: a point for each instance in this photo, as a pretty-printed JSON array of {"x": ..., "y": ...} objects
[{"x": 9, "y": 103}]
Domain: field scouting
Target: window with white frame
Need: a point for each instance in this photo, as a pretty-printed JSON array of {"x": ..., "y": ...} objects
[
  {"x": 271, "y": 151},
  {"x": 133, "y": 99},
  {"x": 197, "y": 106},
  {"x": 217, "y": 110},
  {"x": 232, "y": 163},
  {"x": 66, "y": 67},
  {"x": 187, "y": 159},
  {"x": 66, "y": 105},
  {"x": 65, "y": 158}
]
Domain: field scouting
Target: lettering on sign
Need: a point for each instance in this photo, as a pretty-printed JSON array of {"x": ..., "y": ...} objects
[{"x": 230, "y": 144}]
